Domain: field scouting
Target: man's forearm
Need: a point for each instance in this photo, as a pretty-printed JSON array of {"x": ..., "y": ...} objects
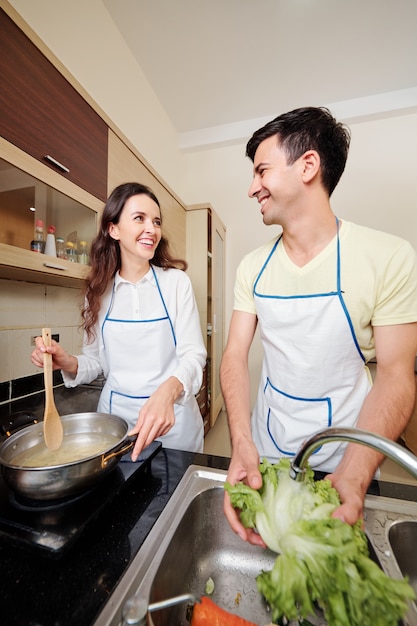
[
  {"x": 388, "y": 406},
  {"x": 386, "y": 411},
  {"x": 235, "y": 383}
]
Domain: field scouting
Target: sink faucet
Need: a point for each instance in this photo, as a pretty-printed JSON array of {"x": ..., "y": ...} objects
[
  {"x": 136, "y": 610},
  {"x": 393, "y": 450}
]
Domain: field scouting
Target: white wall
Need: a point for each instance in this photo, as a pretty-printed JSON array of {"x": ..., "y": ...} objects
[{"x": 379, "y": 187}]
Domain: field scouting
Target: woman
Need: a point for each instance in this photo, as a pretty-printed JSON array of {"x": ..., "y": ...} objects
[{"x": 141, "y": 327}]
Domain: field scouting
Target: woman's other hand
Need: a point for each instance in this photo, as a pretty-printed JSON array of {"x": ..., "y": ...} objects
[{"x": 61, "y": 360}]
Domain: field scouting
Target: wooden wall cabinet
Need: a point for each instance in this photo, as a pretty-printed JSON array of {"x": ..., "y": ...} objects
[
  {"x": 44, "y": 115},
  {"x": 21, "y": 264},
  {"x": 206, "y": 239}
]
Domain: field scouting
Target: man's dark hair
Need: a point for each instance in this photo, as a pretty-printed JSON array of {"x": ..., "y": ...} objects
[{"x": 308, "y": 128}]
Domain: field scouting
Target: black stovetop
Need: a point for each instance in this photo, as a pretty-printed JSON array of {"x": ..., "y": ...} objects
[
  {"x": 37, "y": 590},
  {"x": 53, "y": 527}
]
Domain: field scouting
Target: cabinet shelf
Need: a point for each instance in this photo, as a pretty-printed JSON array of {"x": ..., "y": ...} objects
[{"x": 19, "y": 264}]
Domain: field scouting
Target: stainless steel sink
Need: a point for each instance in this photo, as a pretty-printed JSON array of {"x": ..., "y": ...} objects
[
  {"x": 402, "y": 537},
  {"x": 387, "y": 524},
  {"x": 192, "y": 542},
  {"x": 203, "y": 547}
]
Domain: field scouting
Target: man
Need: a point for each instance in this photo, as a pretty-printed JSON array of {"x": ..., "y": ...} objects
[{"x": 328, "y": 295}]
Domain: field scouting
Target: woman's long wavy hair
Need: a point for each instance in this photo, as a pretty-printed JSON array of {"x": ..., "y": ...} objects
[{"x": 105, "y": 259}]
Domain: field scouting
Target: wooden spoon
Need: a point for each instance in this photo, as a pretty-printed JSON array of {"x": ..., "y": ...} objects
[{"x": 53, "y": 432}]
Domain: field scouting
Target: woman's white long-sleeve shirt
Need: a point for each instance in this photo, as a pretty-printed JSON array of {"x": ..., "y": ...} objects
[{"x": 131, "y": 298}]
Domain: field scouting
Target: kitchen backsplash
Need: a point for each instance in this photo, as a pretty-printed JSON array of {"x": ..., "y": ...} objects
[{"x": 25, "y": 308}]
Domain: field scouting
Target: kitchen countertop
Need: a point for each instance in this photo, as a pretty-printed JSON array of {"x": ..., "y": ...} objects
[{"x": 37, "y": 590}]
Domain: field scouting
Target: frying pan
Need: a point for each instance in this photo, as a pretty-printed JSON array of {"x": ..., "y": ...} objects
[{"x": 63, "y": 480}]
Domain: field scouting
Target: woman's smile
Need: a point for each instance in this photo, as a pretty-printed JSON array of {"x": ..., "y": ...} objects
[{"x": 139, "y": 228}]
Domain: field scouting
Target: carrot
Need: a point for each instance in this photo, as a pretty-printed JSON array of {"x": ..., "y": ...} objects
[{"x": 207, "y": 613}]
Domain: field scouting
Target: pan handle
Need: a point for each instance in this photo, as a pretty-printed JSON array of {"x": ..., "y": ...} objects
[
  {"x": 16, "y": 421},
  {"x": 122, "y": 448}
]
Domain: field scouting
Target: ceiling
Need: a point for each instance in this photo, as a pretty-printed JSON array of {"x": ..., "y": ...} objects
[{"x": 221, "y": 68}]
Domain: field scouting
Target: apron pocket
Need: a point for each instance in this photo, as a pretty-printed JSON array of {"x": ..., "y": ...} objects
[
  {"x": 126, "y": 406},
  {"x": 291, "y": 419}
]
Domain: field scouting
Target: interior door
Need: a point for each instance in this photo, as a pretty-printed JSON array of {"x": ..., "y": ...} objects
[{"x": 217, "y": 301}]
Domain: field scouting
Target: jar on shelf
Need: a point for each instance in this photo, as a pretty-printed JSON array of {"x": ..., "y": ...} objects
[
  {"x": 38, "y": 242},
  {"x": 60, "y": 248},
  {"x": 83, "y": 253},
  {"x": 71, "y": 252}
]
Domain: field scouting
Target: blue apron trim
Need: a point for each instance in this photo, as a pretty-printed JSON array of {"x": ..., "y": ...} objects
[
  {"x": 327, "y": 400},
  {"x": 298, "y": 297},
  {"x": 124, "y": 395},
  {"x": 165, "y": 306},
  {"x": 263, "y": 268},
  {"x": 338, "y": 292},
  {"x": 286, "y": 452},
  {"x": 107, "y": 318},
  {"x": 287, "y": 395},
  {"x": 342, "y": 301},
  {"x": 155, "y": 319}
]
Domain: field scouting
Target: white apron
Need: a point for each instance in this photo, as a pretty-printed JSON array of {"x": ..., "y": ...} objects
[
  {"x": 313, "y": 373},
  {"x": 141, "y": 355}
]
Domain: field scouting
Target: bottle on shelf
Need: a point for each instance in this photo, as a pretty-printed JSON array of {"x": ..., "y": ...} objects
[
  {"x": 50, "y": 246},
  {"x": 83, "y": 253},
  {"x": 71, "y": 252},
  {"x": 60, "y": 248},
  {"x": 38, "y": 242}
]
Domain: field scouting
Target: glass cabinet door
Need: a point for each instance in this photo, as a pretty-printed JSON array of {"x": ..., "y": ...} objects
[{"x": 24, "y": 200}]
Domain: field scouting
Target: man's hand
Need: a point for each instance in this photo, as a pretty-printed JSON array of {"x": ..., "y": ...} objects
[
  {"x": 352, "y": 494},
  {"x": 244, "y": 467}
]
